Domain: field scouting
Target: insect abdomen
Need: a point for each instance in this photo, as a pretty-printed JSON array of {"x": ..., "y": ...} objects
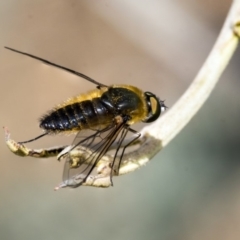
[{"x": 88, "y": 114}]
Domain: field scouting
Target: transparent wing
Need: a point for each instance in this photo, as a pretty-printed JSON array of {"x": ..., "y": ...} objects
[{"x": 85, "y": 159}]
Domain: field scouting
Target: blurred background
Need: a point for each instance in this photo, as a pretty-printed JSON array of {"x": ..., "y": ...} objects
[{"x": 189, "y": 191}]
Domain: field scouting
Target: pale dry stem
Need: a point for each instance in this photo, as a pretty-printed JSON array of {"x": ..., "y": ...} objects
[{"x": 160, "y": 133}]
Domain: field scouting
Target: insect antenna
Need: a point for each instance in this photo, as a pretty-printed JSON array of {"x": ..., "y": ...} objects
[
  {"x": 59, "y": 66},
  {"x": 31, "y": 140}
]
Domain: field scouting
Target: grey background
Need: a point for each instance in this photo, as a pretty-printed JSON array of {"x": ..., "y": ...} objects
[{"x": 188, "y": 191}]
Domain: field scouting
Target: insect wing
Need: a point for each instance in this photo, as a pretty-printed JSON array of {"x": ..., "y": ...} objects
[
  {"x": 90, "y": 172},
  {"x": 85, "y": 160}
]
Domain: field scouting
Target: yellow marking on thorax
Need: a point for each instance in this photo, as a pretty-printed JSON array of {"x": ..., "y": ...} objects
[{"x": 96, "y": 93}]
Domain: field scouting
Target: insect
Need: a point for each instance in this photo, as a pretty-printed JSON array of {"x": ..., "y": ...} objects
[{"x": 101, "y": 120}]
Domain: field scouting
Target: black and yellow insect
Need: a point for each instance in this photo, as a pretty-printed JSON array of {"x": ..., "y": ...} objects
[{"x": 101, "y": 118}]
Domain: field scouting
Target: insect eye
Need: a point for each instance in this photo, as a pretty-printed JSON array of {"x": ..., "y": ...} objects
[{"x": 155, "y": 106}]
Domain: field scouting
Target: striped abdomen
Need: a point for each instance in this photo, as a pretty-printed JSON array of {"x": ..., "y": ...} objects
[{"x": 88, "y": 114}]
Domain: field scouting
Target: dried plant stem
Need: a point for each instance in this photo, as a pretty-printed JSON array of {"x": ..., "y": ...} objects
[{"x": 159, "y": 134}]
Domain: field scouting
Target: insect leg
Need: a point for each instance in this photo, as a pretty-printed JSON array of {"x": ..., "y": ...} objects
[
  {"x": 104, "y": 148},
  {"x": 21, "y": 150},
  {"x": 31, "y": 140},
  {"x": 114, "y": 169},
  {"x": 128, "y": 144},
  {"x": 111, "y": 137}
]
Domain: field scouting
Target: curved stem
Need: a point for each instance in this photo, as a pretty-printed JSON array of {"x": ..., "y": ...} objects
[{"x": 159, "y": 134}]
